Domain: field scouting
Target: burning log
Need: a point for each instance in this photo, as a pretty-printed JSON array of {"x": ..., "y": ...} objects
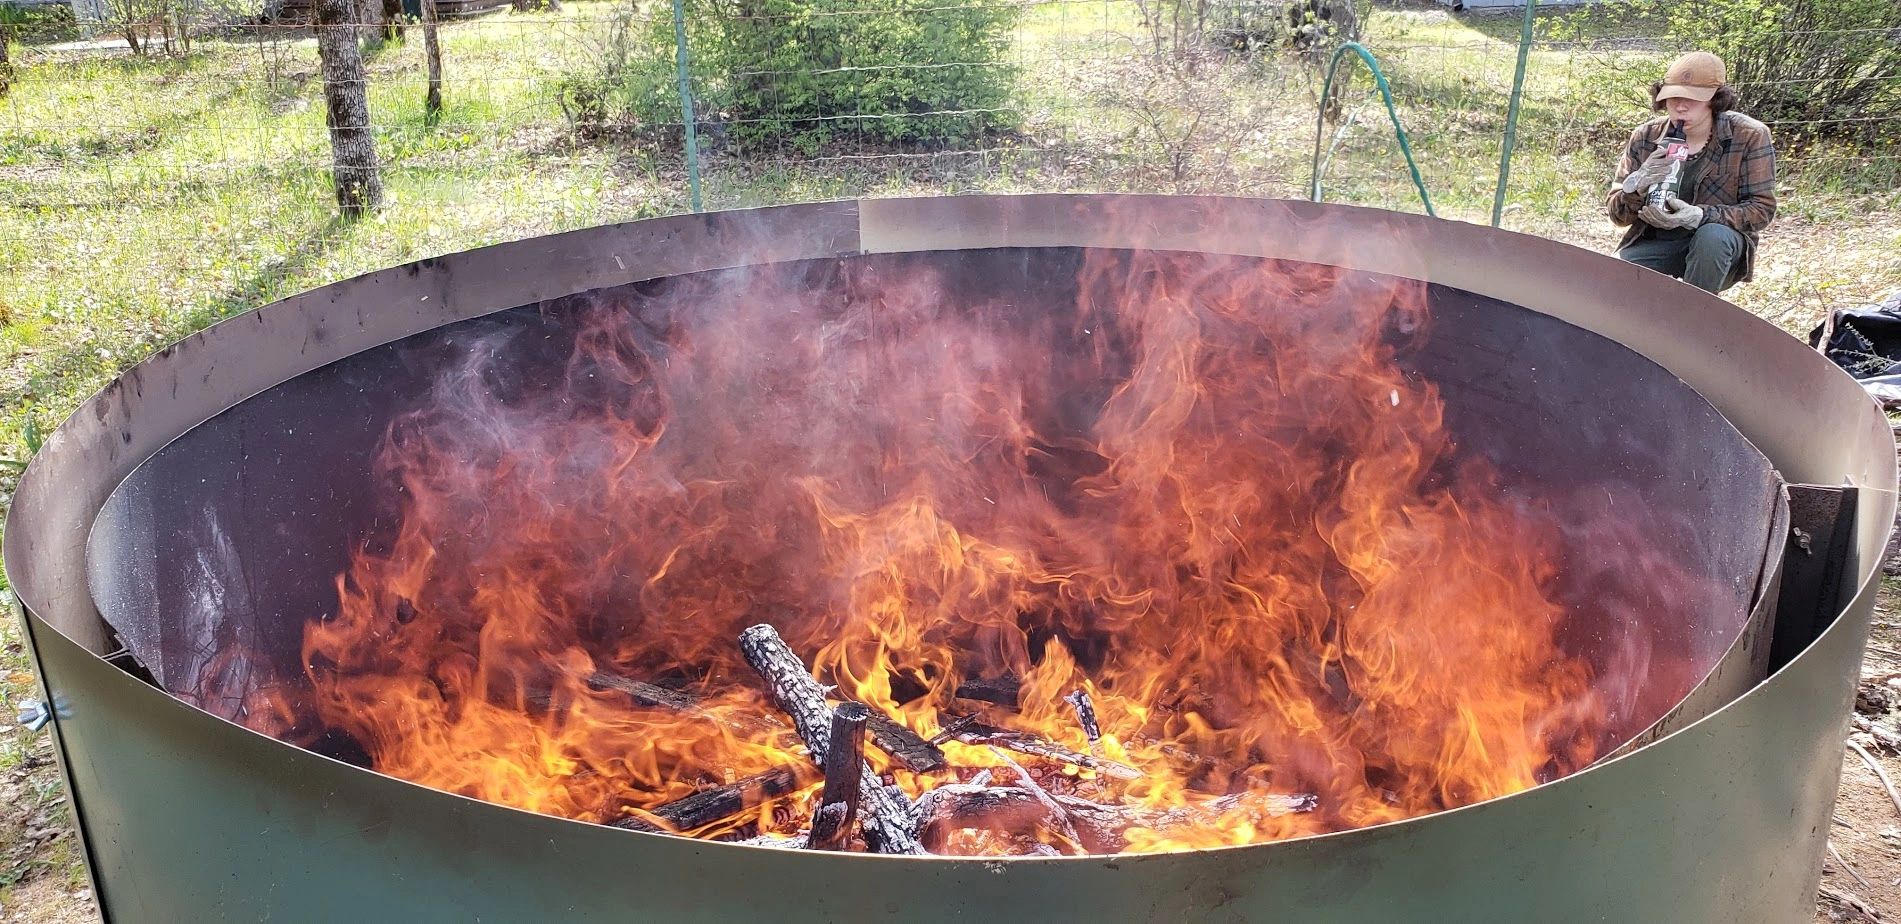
[
  {"x": 886, "y": 819},
  {"x": 956, "y": 726},
  {"x": 1036, "y": 745},
  {"x": 1058, "y": 817},
  {"x": 1086, "y": 715},
  {"x": 909, "y": 749},
  {"x": 903, "y": 745},
  {"x": 998, "y": 691},
  {"x": 1101, "y": 828},
  {"x": 838, "y": 802},
  {"x": 719, "y": 803},
  {"x": 647, "y": 694}
]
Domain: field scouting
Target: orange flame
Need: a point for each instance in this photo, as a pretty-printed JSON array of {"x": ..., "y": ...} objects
[{"x": 1203, "y": 491}]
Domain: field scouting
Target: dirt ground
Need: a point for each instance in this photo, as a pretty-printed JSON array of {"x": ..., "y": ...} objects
[{"x": 1861, "y": 881}]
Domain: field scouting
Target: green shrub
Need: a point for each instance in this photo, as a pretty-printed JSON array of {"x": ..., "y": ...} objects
[
  {"x": 809, "y": 71},
  {"x": 805, "y": 73},
  {"x": 38, "y": 24},
  {"x": 1811, "y": 68}
]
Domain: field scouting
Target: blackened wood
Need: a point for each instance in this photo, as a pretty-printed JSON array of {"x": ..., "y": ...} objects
[
  {"x": 838, "y": 801},
  {"x": 1036, "y": 745},
  {"x": 886, "y": 819},
  {"x": 905, "y": 746},
  {"x": 646, "y": 694},
  {"x": 949, "y": 732},
  {"x": 1085, "y": 714},
  {"x": 721, "y": 802},
  {"x": 1001, "y": 691}
]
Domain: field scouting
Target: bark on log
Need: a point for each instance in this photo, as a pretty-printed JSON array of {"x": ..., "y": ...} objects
[
  {"x": 1000, "y": 691},
  {"x": 359, "y": 184},
  {"x": 1086, "y": 715},
  {"x": 646, "y": 694},
  {"x": 903, "y": 745},
  {"x": 838, "y": 802},
  {"x": 432, "y": 54},
  {"x": 1102, "y": 828},
  {"x": 886, "y": 819},
  {"x": 1036, "y": 745},
  {"x": 719, "y": 803}
]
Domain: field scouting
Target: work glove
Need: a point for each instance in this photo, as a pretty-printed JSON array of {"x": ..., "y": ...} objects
[
  {"x": 1649, "y": 173},
  {"x": 1675, "y": 213}
]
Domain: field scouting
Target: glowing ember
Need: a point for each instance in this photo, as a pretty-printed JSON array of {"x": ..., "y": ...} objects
[{"x": 1204, "y": 495}]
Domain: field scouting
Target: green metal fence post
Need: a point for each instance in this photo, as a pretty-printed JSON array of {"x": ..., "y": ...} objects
[
  {"x": 686, "y": 104},
  {"x": 1511, "y": 115},
  {"x": 1386, "y": 93}
]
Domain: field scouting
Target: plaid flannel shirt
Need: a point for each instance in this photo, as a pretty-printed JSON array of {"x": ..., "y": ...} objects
[{"x": 1738, "y": 186}]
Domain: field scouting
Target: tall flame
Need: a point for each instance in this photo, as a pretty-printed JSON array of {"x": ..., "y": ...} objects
[{"x": 1200, "y": 488}]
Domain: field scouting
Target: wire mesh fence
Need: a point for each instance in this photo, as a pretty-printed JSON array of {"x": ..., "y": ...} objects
[{"x": 144, "y": 194}]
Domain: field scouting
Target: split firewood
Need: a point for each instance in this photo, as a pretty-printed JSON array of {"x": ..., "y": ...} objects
[
  {"x": 886, "y": 820},
  {"x": 1102, "y": 828},
  {"x": 1035, "y": 745},
  {"x": 998, "y": 691},
  {"x": 721, "y": 802},
  {"x": 903, "y": 745},
  {"x": 646, "y": 694},
  {"x": 838, "y": 801}
]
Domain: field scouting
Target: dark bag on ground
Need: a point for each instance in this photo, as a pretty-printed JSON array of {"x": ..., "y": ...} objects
[{"x": 1867, "y": 343}]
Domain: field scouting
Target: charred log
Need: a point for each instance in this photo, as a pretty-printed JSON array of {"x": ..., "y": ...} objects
[
  {"x": 838, "y": 802},
  {"x": 998, "y": 691},
  {"x": 719, "y": 803},
  {"x": 646, "y": 694},
  {"x": 903, "y": 745},
  {"x": 886, "y": 819},
  {"x": 1035, "y": 745},
  {"x": 1085, "y": 715}
]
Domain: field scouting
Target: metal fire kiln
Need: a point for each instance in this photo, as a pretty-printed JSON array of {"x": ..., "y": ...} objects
[{"x": 1718, "y": 812}]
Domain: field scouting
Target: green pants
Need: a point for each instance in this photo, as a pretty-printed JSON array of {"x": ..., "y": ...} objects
[{"x": 1709, "y": 259}]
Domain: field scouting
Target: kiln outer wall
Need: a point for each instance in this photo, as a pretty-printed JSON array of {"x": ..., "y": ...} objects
[{"x": 187, "y": 818}]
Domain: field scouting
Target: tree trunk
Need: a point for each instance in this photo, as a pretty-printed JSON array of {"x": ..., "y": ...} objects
[
  {"x": 369, "y": 20},
  {"x": 432, "y": 50},
  {"x": 394, "y": 21},
  {"x": 347, "y": 110}
]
